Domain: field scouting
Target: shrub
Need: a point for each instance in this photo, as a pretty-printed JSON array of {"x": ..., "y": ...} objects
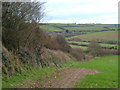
[
  {"x": 110, "y": 52},
  {"x": 63, "y": 45},
  {"x": 77, "y": 53},
  {"x": 57, "y": 43},
  {"x": 95, "y": 49}
]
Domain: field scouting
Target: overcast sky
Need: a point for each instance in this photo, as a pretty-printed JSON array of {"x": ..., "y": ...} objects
[{"x": 81, "y": 11}]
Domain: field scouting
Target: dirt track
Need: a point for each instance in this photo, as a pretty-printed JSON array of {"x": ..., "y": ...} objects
[{"x": 65, "y": 78}]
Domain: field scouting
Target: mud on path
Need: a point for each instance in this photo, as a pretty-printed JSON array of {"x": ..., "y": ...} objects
[{"x": 65, "y": 78}]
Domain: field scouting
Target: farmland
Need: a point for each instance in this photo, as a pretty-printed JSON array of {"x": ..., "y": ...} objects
[
  {"x": 79, "y": 27},
  {"x": 106, "y": 65},
  {"x": 84, "y": 45},
  {"x": 62, "y": 53},
  {"x": 107, "y": 35},
  {"x": 90, "y": 28},
  {"x": 77, "y": 37},
  {"x": 49, "y": 28},
  {"x": 76, "y": 46},
  {"x": 97, "y": 72},
  {"x": 80, "y": 35}
]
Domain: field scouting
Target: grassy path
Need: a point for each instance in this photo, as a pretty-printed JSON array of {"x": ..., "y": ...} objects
[
  {"x": 64, "y": 78},
  {"x": 101, "y": 72}
]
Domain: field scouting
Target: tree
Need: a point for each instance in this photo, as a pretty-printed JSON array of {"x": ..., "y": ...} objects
[
  {"x": 19, "y": 21},
  {"x": 21, "y": 33}
]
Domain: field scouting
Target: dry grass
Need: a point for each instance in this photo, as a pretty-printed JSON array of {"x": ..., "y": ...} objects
[
  {"x": 108, "y": 35},
  {"x": 56, "y": 56}
]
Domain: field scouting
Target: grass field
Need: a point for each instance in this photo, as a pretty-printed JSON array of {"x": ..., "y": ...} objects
[
  {"x": 63, "y": 24},
  {"x": 49, "y": 28},
  {"x": 82, "y": 47},
  {"x": 78, "y": 27},
  {"x": 106, "y": 35},
  {"x": 108, "y": 76},
  {"x": 86, "y": 43},
  {"x": 91, "y": 28},
  {"x": 86, "y": 25}
]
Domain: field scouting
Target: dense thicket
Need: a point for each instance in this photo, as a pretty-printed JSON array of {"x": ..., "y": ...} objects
[
  {"x": 23, "y": 41},
  {"x": 19, "y": 21},
  {"x": 95, "y": 50},
  {"x": 21, "y": 34}
]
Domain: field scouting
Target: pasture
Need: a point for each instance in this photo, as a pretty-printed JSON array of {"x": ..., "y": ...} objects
[
  {"x": 107, "y": 76},
  {"x": 89, "y": 28},
  {"x": 106, "y": 35},
  {"x": 82, "y": 34},
  {"x": 49, "y": 28},
  {"x": 84, "y": 45}
]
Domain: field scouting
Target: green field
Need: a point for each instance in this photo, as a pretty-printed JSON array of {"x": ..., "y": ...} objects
[
  {"x": 102, "y": 36},
  {"x": 108, "y": 76},
  {"x": 49, "y": 28},
  {"x": 83, "y": 43},
  {"x": 82, "y": 47},
  {"x": 77, "y": 27},
  {"x": 86, "y": 25},
  {"x": 86, "y": 43},
  {"x": 91, "y": 28},
  {"x": 63, "y": 24}
]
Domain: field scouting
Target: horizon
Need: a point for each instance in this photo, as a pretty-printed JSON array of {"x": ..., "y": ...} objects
[{"x": 74, "y": 23}]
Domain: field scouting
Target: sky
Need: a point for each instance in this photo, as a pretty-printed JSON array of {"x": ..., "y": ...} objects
[{"x": 81, "y": 11}]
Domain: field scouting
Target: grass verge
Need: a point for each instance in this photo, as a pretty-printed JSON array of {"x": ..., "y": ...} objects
[{"x": 26, "y": 78}]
